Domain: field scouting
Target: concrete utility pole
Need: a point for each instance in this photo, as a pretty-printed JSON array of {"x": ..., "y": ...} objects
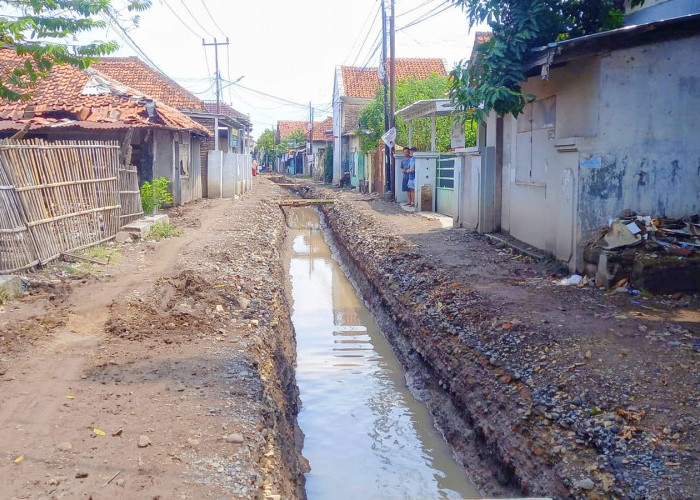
[
  {"x": 311, "y": 136},
  {"x": 387, "y": 151},
  {"x": 392, "y": 78},
  {"x": 217, "y": 76}
]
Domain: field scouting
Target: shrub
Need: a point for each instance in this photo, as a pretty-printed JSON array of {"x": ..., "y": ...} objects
[{"x": 155, "y": 194}]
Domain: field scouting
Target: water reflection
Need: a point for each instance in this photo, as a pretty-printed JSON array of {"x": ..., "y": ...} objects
[{"x": 366, "y": 435}]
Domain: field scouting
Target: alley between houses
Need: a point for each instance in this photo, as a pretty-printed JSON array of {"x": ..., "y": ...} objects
[{"x": 170, "y": 371}]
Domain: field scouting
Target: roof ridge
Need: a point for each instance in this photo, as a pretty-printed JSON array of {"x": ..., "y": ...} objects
[{"x": 154, "y": 72}]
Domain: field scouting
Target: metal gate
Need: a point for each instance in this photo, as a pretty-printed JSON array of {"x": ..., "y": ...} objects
[{"x": 444, "y": 192}]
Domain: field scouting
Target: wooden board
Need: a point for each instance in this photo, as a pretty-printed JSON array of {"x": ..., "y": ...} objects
[{"x": 302, "y": 203}]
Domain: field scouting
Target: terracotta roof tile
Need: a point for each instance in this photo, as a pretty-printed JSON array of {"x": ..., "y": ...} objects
[
  {"x": 69, "y": 94},
  {"x": 286, "y": 128},
  {"x": 226, "y": 110},
  {"x": 364, "y": 82},
  {"x": 479, "y": 38},
  {"x": 138, "y": 75}
]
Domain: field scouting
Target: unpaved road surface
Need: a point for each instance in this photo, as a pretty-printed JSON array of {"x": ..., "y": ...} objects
[{"x": 166, "y": 374}]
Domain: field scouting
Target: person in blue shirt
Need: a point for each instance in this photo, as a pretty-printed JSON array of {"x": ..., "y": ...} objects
[
  {"x": 404, "y": 169},
  {"x": 408, "y": 168},
  {"x": 412, "y": 179}
]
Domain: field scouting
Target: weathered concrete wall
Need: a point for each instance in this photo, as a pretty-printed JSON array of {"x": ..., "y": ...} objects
[
  {"x": 647, "y": 154},
  {"x": 163, "y": 160},
  {"x": 621, "y": 135}
]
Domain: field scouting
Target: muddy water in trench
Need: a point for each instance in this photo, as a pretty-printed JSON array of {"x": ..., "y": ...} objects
[{"x": 366, "y": 436}]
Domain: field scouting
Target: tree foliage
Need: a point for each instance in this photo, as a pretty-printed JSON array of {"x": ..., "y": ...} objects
[
  {"x": 493, "y": 82},
  {"x": 42, "y": 30},
  {"x": 266, "y": 142},
  {"x": 265, "y": 146},
  {"x": 292, "y": 141},
  {"x": 408, "y": 91}
]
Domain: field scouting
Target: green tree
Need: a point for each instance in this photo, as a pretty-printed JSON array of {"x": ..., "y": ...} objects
[
  {"x": 292, "y": 141},
  {"x": 42, "y": 30},
  {"x": 408, "y": 91},
  {"x": 328, "y": 164},
  {"x": 266, "y": 146},
  {"x": 494, "y": 81}
]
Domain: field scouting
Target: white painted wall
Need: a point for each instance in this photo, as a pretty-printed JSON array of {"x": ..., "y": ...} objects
[{"x": 623, "y": 136}]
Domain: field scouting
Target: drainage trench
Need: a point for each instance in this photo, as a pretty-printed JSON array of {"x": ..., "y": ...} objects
[{"x": 366, "y": 435}]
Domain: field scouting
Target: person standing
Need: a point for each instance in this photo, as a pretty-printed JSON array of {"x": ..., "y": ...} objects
[
  {"x": 405, "y": 167},
  {"x": 411, "y": 184}
]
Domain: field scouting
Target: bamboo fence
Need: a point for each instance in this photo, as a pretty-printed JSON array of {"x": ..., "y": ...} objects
[
  {"x": 129, "y": 195},
  {"x": 58, "y": 197}
]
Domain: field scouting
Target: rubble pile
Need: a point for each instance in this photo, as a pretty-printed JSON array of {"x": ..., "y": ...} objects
[{"x": 658, "y": 254}]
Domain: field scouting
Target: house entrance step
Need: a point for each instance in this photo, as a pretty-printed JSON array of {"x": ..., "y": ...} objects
[{"x": 140, "y": 228}]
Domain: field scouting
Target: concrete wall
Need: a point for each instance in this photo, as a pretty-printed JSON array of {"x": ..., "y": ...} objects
[
  {"x": 606, "y": 133},
  {"x": 163, "y": 160},
  {"x": 233, "y": 169},
  {"x": 646, "y": 156},
  {"x": 215, "y": 161},
  {"x": 426, "y": 165},
  {"x": 166, "y": 164}
]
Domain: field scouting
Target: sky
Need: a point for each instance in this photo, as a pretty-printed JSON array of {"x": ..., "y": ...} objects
[{"x": 288, "y": 50}]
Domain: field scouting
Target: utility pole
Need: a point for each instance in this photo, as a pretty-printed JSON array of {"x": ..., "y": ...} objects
[
  {"x": 311, "y": 137},
  {"x": 387, "y": 151},
  {"x": 392, "y": 78},
  {"x": 217, "y": 76}
]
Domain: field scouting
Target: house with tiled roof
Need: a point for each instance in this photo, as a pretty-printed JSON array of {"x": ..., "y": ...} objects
[
  {"x": 353, "y": 88},
  {"x": 322, "y": 135},
  {"x": 88, "y": 105},
  {"x": 227, "y": 127}
]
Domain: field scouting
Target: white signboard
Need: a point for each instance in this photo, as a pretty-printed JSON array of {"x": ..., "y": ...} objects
[{"x": 389, "y": 137}]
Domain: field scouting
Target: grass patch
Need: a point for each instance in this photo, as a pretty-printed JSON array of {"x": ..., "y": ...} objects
[
  {"x": 101, "y": 252},
  {"x": 162, "y": 230},
  {"x": 4, "y": 297},
  {"x": 76, "y": 269}
]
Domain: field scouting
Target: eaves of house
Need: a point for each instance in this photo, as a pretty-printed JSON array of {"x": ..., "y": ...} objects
[{"x": 558, "y": 53}]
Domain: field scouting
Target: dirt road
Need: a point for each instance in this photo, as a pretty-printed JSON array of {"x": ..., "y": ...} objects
[{"x": 166, "y": 374}]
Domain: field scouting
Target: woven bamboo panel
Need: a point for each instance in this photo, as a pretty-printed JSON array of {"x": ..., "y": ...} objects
[
  {"x": 129, "y": 195},
  {"x": 66, "y": 193}
]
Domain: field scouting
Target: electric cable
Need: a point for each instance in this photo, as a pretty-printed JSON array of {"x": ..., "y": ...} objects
[
  {"x": 194, "y": 18},
  {"x": 415, "y": 8},
  {"x": 212, "y": 18},
  {"x": 366, "y": 38},
  {"x": 164, "y": 2},
  {"x": 124, "y": 35},
  {"x": 362, "y": 30},
  {"x": 428, "y": 15}
]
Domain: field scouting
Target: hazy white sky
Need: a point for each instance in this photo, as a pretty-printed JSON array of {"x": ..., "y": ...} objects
[{"x": 287, "y": 49}]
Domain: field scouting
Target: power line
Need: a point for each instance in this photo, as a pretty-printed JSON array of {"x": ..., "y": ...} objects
[
  {"x": 360, "y": 31},
  {"x": 430, "y": 14},
  {"x": 212, "y": 18},
  {"x": 124, "y": 35},
  {"x": 415, "y": 8},
  {"x": 281, "y": 99},
  {"x": 164, "y": 2},
  {"x": 194, "y": 18},
  {"x": 366, "y": 37}
]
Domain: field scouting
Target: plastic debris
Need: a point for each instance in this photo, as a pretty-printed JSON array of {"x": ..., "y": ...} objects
[{"x": 574, "y": 279}]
